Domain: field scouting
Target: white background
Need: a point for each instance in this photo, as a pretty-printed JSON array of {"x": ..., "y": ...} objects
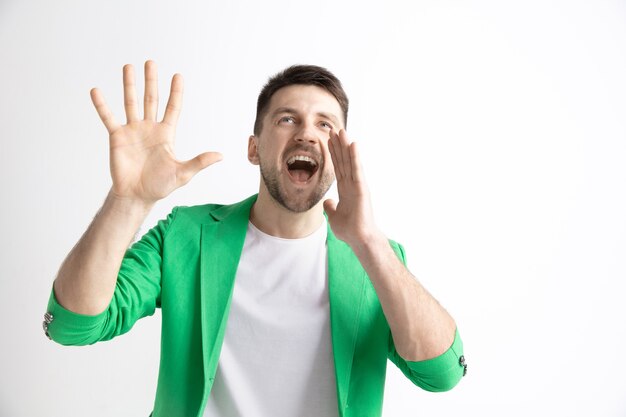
[{"x": 493, "y": 134}]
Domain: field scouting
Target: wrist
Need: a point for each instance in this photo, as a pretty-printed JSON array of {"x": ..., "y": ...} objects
[
  {"x": 369, "y": 243},
  {"x": 128, "y": 206}
]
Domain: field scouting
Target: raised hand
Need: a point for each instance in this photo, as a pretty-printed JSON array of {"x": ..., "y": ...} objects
[
  {"x": 420, "y": 327},
  {"x": 351, "y": 219},
  {"x": 142, "y": 162}
]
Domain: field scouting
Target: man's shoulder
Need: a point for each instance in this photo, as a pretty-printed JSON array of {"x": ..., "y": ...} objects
[
  {"x": 197, "y": 212},
  {"x": 211, "y": 212}
]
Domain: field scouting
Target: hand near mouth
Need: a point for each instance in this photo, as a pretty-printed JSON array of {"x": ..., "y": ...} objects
[
  {"x": 401, "y": 296},
  {"x": 351, "y": 219}
]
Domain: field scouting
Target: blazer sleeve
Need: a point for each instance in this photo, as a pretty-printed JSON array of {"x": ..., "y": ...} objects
[
  {"x": 137, "y": 294},
  {"x": 438, "y": 374}
]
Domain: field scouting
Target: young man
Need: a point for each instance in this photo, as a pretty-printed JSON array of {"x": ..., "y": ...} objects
[{"x": 280, "y": 305}]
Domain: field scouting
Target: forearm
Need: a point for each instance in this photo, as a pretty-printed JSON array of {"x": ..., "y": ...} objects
[
  {"x": 86, "y": 280},
  {"x": 420, "y": 326}
]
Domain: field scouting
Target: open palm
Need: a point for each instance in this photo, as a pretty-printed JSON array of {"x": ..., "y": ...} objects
[{"x": 142, "y": 161}]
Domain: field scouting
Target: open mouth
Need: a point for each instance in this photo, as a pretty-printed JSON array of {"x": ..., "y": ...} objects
[{"x": 301, "y": 168}]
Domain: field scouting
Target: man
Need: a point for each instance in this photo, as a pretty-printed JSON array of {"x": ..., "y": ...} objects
[{"x": 280, "y": 305}]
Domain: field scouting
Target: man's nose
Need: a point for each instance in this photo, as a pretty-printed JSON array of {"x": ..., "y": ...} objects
[{"x": 307, "y": 133}]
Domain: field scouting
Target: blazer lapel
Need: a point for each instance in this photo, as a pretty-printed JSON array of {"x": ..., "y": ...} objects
[
  {"x": 221, "y": 246},
  {"x": 346, "y": 285}
]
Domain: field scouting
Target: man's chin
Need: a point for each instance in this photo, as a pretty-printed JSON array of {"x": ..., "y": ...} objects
[
  {"x": 297, "y": 196},
  {"x": 298, "y": 199},
  {"x": 299, "y": 203}
]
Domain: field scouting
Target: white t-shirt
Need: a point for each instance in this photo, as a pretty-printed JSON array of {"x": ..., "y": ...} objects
[{"x": 277, "y": 357}]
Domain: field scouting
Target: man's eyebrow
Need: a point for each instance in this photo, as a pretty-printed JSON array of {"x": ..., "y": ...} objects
[
  {"x": 284, "y": 110},
  {"x": 291, "y": 110}
]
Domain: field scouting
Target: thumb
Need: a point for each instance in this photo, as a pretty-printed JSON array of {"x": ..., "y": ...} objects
[
  {"x": 330, "y": 207},
  {"x": 191, "y": 167}
]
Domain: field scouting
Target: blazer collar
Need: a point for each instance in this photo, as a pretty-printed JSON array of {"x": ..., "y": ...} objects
[{"x": 240, "y": 211}]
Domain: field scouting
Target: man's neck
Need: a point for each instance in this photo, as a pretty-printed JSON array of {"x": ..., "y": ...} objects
[{"x": 272, "y": 218}]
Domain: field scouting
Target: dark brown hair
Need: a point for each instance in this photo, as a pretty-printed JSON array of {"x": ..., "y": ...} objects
[{"x": 304, "y": 75}]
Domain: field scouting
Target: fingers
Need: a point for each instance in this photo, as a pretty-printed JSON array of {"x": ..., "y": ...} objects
[
  {"x": 130, "y": 94},
  {"x": 175, "y": 101},
  {"x": 355, "y": 158},
  {"x": 335, "y": 155},
  {"x": 330, "y": 207},
  {"x": 342, "y": 155},
  {"x": 150, "y": 98},
  {"x": 190, "y": 168},
  {"x": 151, "y": 93},
  {"x": 103, "y": 110}
]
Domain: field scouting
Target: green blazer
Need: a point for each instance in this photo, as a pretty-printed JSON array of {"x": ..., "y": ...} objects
[{"x": 186, "y": 265}]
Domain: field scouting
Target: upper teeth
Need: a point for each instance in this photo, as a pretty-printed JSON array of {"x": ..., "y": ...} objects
[{"x": 301, "y": 158}]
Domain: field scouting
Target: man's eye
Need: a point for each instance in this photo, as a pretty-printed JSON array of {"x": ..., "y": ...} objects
[
  {"x": 326, "y": 125},
  {"x": 287, "y": 119}
]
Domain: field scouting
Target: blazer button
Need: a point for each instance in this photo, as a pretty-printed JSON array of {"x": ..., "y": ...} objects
[
  {"x": 47, "y": 319},
  {"x": 463, "y": 364}
]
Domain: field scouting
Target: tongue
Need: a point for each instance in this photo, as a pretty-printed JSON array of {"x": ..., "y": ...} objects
[{"x": 301, "y": 175}]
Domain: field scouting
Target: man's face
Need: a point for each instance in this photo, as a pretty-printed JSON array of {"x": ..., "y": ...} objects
[{"x": 292, "y": 148}]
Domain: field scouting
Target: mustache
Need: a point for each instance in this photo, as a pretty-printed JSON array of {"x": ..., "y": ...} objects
[{"x": 309, "y": 149}]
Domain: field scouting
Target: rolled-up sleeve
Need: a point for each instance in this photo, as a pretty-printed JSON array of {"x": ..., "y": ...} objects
[
  {"x": 137, "y": 294},
  {"x": 69, "y": 328},
  {"x": 438, "y": 374}
]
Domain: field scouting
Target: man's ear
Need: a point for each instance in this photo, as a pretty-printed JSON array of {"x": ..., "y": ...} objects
[{"x": 253, "y": 150}]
